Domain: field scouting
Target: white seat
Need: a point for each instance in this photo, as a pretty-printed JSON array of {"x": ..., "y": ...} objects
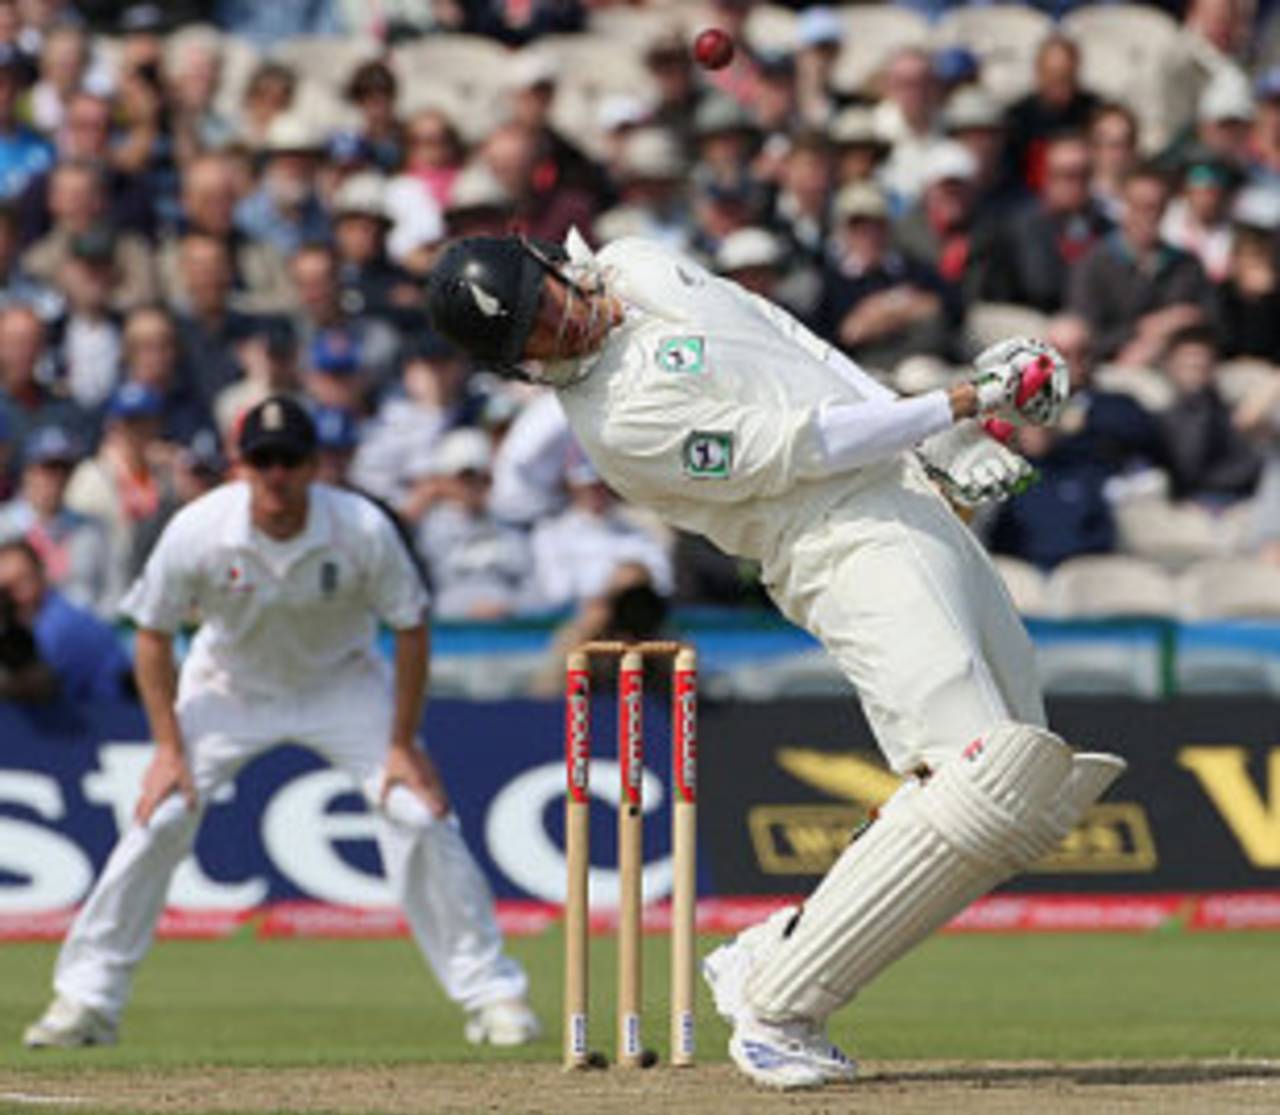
[
  {"x": 1110, "y": 585},
  {"x": 1230, "y": 588},
  {"x": 1100, "y": 667},
  {"x": 1148, "y": 386},
  {"x": 989, "y": 322},
  {"x": 1005, "y": 38},
  {"x": 325, "y": 59},
  {"x": 872, "y": 33},
  {"x": 469, "y": 64},
  {"x": 1172, "y": 534},
  {"x": 598, "y": 62},
  {"x": 1026, "y": 584},
  {"x": 1247, "y": 379},
  {"x": 772, "y": 29}
]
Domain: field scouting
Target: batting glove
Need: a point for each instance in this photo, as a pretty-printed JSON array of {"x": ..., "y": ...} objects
[
  {"x": 1023, "y": 381},
  {"x": 971, "y": 467}
]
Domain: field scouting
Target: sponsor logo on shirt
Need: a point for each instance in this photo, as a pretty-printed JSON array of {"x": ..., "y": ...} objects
[
  {"x": 708, "y": 454},
  {"x": 236, "y": 579},
  {"x": 682, "y": 355}
]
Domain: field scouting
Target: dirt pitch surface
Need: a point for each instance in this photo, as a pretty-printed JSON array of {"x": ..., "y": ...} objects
[{"x": 932, "y": 1088}]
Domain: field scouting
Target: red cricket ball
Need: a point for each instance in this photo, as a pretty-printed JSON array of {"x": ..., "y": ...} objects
[{"x": 713, "y": 48}]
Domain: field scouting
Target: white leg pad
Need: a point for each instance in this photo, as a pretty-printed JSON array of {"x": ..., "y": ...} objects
[{"x": 993, "y": 810}]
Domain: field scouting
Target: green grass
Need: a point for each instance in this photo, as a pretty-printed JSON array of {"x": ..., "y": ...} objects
[{"x": 249, "y": 1002}]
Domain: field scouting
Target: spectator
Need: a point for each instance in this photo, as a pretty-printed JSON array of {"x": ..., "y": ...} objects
[
  {"x": 337, "y": 437},
  {"x": 369, "y": 282},
  {"x": 670, "y": 66},
  {"x": 152, "y": 358},
  {"x": 81, "y": 655},
  {"x": 126, "y": 484},
  {"x": 433, "y": 153},
  {"x": 545, "y": 206},
  {"x": 285, "y": 211},
  {"x": 942, "y": 229},
  {"x": 651, "y": 194},
  {"x": 1058, "y": 103},
  {"x": 90, "y": 347},
  {"x": 1113, "y": 151},
  {"x": 77, "y": 202},
  {"x": 576, "y": 552},
  {"x": 801, "y": 210},
  {"x": 193, "y": 73},
  {"x": 479, "y": 205},
  {"x": 1197, "y": 219},
  {"x": 259, "y": 280},
  {"x": 513, "y": 24},
  {"x": 198, "y": 468},
  {"x": 29, "y": 392},
  {"x": 1209, "y": 460},
  {"x": 1224, "y": 118},
  {"x": 819, "y": 36},
  {"x": 73, "y": 548},
  {"x": 775, "y": 110},
  {"x": 1065, "y": 514},
  {"x": 1248, "y": 299},
  {"x": 877, "y": 304},
  {"x": 1133, "y": 289},
  {"x": 974, "y": 120},
  {"x": 86, "y": 137},
  {"x": 1039, "y": 244},
  {"x": 209, "y": 328},
  {"x": 722, "y": 207},
  {"x": 726, "y": 138},
  {"x": 560, "y": 165},
  {"x": 434, "y": 395},
  {"x": 268, "y": 95},
  {"x": 18, "y": 286},
  {"x": 1264, "y": 136},
  {"x": 529, "y": 465},
  {"x": 269, "y": 356},
  {"x": 860, "y": 146},
  {"x": 64, "y": 61},
  {"x": 372, "y": 91},
  {"x": 322, "y": 311},
  {"x": 265, "y": 25},
  {"x": 909, "y": 117},
  {"x": 479, "y": 568}
]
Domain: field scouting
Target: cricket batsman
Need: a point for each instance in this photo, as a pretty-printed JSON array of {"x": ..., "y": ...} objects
[{"x": 721, "y": 412}]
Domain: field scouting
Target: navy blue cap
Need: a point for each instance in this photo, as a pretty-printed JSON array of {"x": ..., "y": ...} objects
[
  {"x": 336, "y": 428},
  {"x": 278, "y": 422},
  {"x": 335, "y": 351},
  {"x": 50, "y": 445},
  {"x": 955, "y": 63},
  {"x": 135, "y": 400},
  {"x": 348, "y": 147}
]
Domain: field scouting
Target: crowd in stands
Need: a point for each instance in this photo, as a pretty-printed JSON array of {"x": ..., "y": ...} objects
[{"x": 204, "y": 203}]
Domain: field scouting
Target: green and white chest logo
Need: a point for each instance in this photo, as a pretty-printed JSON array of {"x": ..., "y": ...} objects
[
  {"x": 708, "y": 454},
  {"x": 682, "y": 355}
]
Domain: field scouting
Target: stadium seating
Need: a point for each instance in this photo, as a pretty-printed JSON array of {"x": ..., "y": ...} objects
[
  {"x": 1230, "y": 588},
  {"x": 1111, "y": 585},
  {"x": 1026, "y": 584},
  {"x": 872, "y": 34},
  {"x": 1004, "y": 37}
]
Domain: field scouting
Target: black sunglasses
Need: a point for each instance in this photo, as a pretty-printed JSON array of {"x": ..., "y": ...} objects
[{"x": 263, "y": 459}]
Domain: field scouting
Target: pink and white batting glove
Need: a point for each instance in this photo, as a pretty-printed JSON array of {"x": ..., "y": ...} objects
[{"x": 1022, "y": 381}]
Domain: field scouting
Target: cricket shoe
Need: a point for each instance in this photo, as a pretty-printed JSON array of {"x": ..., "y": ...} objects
[
  {"x": 69, "y": 1025},
  {"x": 726, "y": 970},
  {"x": 787, "y": 1056},
  {"x": 504, "y": 1022}
]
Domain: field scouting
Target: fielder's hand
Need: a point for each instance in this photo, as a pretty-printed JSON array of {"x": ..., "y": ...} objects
[
  {"x": 1022, "y": 380},
  {"x": 972, "y": 468},
  {"x": 415, "y": 771},
  {"x": 167, "y": 773}
]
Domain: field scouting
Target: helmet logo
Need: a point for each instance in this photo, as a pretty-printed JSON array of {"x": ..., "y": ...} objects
[{"x": 488, "y": 304}]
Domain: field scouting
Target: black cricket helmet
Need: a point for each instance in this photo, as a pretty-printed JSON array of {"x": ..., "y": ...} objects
[{"x": 483, "y": 295}]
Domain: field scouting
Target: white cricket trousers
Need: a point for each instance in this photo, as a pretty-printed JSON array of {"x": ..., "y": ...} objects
[
  {"x": 905, "y": 599},
  {"x": 439, "y": 885}
]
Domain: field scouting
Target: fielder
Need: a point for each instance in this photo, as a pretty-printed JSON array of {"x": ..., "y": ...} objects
[
  {"x": 721, "y": 412},
  {"x": 288, "y": 578}
]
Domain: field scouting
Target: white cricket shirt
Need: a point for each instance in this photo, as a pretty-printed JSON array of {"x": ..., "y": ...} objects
[
  {"x": 724, "y": 414},
  {"x": 287, "y": 623}
]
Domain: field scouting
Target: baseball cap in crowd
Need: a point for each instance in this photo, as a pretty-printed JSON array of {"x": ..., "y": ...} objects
[
  {"x": 335, "y": 352},
  {"x": 347, "y": 148},
  {"x": 203, "y": 454},
  {"x": 955, "y": 64},
  {"x": 135, "y": 400},
  {"x": 1257, "y": 207},
  {"x": 532, "y": 68},
  {"x": 622, "y": 110},
  {"x": 818, "y": 26},
  {"x": 278, "y": 423},
  {"x": 862, "y": 201},
  {"x": 651, "y": 154},
  {"x": 719, "y": 114},
  {"x": 464, "y": 450},
  {"x": 476, "y": 188},
  {"x": 749, "y": 247},
  {"x": 48, "y": 445},
  {"x": 969, "y": 109},
  {"x": 856, "y": 126},
  {"x": 1226, "y": 97},
  {"x": 336, "y": 428},
  {"x": 948, "y": 162},
  {"x": 290, "y": 134}
]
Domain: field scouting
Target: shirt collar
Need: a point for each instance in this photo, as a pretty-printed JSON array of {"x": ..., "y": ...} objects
[{"x": 238, "y": 529}]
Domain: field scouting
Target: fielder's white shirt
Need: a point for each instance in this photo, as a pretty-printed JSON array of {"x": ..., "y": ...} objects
[
  {"x": 722, "y": 413},
  {"x": 290, "y": 619}
]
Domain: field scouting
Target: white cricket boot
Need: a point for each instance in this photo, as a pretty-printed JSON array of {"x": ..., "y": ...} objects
[
  {"x": 779, "y": 1055},
  {"x": 726, "y": 971},
  {"x": 505, "y": 1022},
  {"x": 67, "y": 1024}
]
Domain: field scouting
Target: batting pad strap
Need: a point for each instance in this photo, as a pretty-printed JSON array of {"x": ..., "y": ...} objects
[{"x": 933, "y": 850}]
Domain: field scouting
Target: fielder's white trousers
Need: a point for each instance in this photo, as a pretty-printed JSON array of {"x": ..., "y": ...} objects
[
  {"x": 441, "y": 888},
  {"x": 905, "y": 599}
]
